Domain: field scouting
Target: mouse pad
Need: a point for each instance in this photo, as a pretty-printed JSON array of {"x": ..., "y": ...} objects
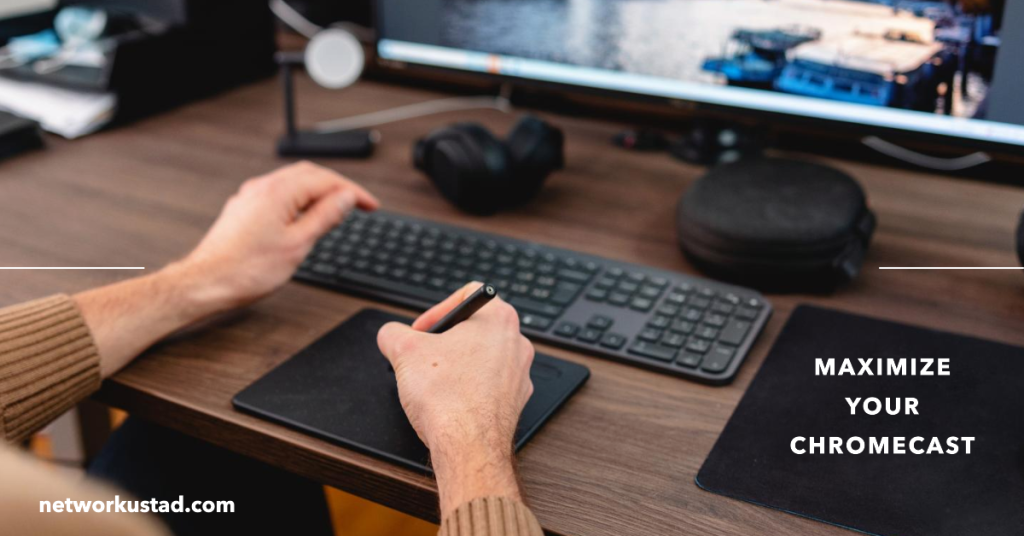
[
  {"x": 341, "y": 388},
  {"x": 881, "y": 494}
]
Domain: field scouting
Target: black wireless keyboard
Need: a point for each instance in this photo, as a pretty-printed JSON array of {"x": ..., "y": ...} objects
[{"x": 662, "y": 320}]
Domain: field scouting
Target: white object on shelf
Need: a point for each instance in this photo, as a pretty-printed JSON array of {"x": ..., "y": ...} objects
[{"x": 68, "y": 113}]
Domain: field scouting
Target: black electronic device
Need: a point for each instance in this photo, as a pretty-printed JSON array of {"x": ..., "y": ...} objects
[
  {"x": 18, "y": 135},
  {"x": 923, "y": 491},
  {"x": 482, "y": 174},
  {"x": 341, "y": 388},
  {"x": 665, "y": 321},
  {"x": 358, "y": 143},
  {"x": 776, "y": 224}
]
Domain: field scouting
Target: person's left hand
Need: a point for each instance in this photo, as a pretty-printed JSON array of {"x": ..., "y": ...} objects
[{"x": 267, "y": 229}]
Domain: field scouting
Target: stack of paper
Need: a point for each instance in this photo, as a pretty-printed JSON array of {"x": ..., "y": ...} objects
[{"x": 69, "y": 113}]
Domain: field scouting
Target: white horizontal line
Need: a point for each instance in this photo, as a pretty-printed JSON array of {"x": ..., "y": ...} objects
[
  {"x": 72, "y": 268},
  {"x": 950, "y": 268}
]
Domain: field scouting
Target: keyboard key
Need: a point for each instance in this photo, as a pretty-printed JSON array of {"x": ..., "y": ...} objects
[
  {"x": 567, "y": 329},
  {"x": 618, "y": 298},
  {"x": 613, "y": 341},
  {"x": 540, "y": 293},
  {"x": 673, "y": 339},
  {"x": 718, "y": 359},
  {"x": 653, "y": 351},
  {"x": 564, "y": 293},
  {"x": 753, "y": 303},
  {"x": 676, "y": 298},
  {"x": 689, "y": 359},
  {"x": 707, "y": 332},
  {"x": 590, "y": 335},
  {"x": 746, "y": 313},
  {"x": 650, "y": 334},
  {"x": 605, "y": 283},
  {"x": 574, "y": 275},
  {"x": 650, "y": 292},
  {"x": 627, "y": 287},
  {"x": 682, "y": 326},
  {"x": 614, "y": 272},
  {"x": 641, "y": 304},
  {"x": 659, "y": 321},
  {"x": 659, "y": 281},
  {"x": 527, "y": 305},
  {"x": 722, "y": 308},
  {"x": 539, "y": 323},
  {"x": 597, "y": 294},
  {"x": 734, "y": 331},
  {"x": 668, "y": 310},
  {"x": 693, "y": 315},
  {"x": 715, "y": 320},
  {"x": 600, "y": 322},
  {"x": 698, "y": 346},
  {"x": 700, "y": 303}
]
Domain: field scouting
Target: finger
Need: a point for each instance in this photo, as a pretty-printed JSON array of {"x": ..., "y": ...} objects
[
  {"x": 308, "y": 183},
  {"x": 392, "y": 337},
  {"x": 437, "y": 312},
  {"x": 324, "y": 215}
]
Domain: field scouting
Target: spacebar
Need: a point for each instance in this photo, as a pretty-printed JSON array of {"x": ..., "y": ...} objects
[{"x": 419, "y": 293}]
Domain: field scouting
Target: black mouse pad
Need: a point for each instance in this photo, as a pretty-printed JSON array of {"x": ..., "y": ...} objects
[
  {"x": 341, "y": 388},
  {"x": 883, "y": 494}
]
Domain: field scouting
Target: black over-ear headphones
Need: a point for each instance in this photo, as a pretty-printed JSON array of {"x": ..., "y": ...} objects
[{"x": 481, "y": 174}]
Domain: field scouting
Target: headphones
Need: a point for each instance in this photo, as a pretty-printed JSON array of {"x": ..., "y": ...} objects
[{"x": 480, "y": 173}]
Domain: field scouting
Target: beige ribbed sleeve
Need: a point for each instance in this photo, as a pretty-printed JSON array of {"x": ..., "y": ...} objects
[
  {"x": 48, "y": 363},
  {"x": 491, "y": 516}
]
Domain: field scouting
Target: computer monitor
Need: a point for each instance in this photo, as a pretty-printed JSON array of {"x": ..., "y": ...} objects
[
  {"x": 952, "y": 69},
  {"x": 10, "y": 8}
]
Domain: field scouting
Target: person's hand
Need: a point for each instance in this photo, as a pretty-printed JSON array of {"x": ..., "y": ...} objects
[
  {"x": 260, "y": 238},
  {"x": 267, "y": 229},
  {"x": 463, "y": 391}
]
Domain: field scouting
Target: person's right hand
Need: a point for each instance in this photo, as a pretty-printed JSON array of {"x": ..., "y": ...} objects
[{"x": 463, "y": 391}]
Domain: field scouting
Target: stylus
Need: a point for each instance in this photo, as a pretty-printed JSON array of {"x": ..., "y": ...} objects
[{"x": 465, "y": 309}]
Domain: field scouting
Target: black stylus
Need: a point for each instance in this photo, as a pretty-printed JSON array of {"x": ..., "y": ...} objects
[{"x": 465, "y": 309}]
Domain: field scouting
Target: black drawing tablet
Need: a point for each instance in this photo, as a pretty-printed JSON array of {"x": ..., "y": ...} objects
[{"x": 341, "y": 388}]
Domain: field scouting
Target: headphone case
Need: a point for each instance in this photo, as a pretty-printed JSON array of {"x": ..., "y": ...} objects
[{"x": 777, "y": 225}]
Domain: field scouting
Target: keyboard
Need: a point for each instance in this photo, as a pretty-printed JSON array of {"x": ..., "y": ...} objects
[{"x": 661, "y": 320}]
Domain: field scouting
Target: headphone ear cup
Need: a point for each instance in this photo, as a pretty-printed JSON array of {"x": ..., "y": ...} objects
[
  {"x": 536, "y": 149},
  {"x": 468, "y": 165}
]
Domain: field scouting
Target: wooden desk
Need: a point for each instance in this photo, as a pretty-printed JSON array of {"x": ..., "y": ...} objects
[{"x": 621, "y": 457}]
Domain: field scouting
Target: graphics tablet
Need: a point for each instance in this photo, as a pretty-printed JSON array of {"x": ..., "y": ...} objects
[{"x": 341, "y": 388}]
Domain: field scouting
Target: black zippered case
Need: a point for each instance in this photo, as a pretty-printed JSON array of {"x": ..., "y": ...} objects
[{"x": 777, "y": 225}]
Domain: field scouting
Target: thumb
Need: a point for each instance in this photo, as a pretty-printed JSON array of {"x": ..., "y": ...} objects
[
  {"x": 325, "y": 214},
  {"x": 393, "y": 337}
]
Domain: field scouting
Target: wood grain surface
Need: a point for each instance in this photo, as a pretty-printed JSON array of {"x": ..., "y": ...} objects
[{"x": 621, "y": 457}]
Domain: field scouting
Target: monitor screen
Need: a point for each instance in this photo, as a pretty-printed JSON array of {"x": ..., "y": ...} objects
[{"x": 924, "y": 66}]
